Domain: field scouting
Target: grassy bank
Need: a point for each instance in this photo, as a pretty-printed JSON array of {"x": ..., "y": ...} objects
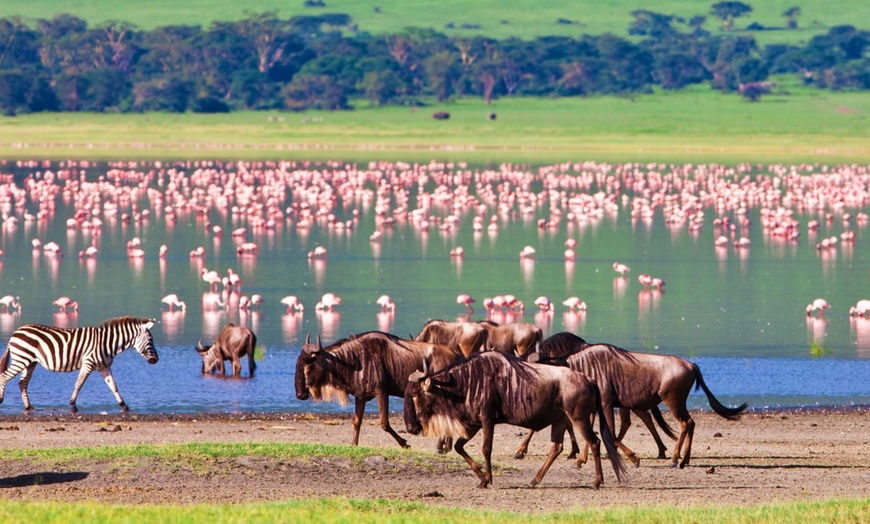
[
  {"x": 697, "y": 125},
  {"x": 329, "y": 511}
]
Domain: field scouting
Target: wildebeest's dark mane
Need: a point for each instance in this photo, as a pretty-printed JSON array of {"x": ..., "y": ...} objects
[
  {"x": 474, "y": 373},
  {"x": 487, "y": 323},
  {"x": 347, "y": 350},
  {"x": 561, "y": 344}
]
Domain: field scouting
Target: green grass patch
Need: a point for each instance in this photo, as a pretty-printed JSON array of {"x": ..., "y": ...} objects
[
  {"x": 493, "y": 18},
  {"x": 329, "y": 511},
  {"x": 695, "y": 125}
]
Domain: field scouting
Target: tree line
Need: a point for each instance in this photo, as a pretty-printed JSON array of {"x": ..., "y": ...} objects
[{"x": 324, "y": 62}]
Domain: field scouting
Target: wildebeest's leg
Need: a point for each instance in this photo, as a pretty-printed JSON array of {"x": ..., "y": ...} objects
[
  {"x": 359, "y": 409},
  {"x": 486, "y": 449},
  {"x": 646, "y": 418},
  {"x": 87, "y": 367},
  {"x": 220, "y": 367},
  {"x": 384, "y": 413},
  {"x": 575, "y": 448},
  {"x": 444, "y": 444},
  {"x": 26, "y": 375},
  {"x": 557, "y": 437},
  {"x": 611, "y": 423},
  {"x": 110, "y": 381},
  {"x": 237, "y": 365},
  {"x": 524, "y": 445},
  {"x": 459, "y": 447},
  {"x": 687, "y": 431},
  {"x": 583, "y": 425}
]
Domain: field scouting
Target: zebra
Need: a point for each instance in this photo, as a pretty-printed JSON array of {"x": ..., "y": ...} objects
[{"x": 85, "y": 349}]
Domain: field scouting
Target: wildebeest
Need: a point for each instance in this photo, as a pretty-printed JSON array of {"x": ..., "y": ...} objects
[
  {"x": 232, "y": 343},
  {"x": 641, "y": 381},
  {"x": 468, "y": 337},
  {"x": 373, "y": 365},
  {"x": 492, "y": 388},
  {"x": 516, "y": 338},
  {"x": 555, "y": 350}
]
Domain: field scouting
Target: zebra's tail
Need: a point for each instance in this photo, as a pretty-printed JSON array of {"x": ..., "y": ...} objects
[{"x": 4, "y": 361}]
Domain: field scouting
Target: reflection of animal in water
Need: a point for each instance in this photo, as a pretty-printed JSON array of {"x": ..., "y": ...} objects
[
  {"x": 86, "y": 349},
  {"x": 232, "y": 343}
]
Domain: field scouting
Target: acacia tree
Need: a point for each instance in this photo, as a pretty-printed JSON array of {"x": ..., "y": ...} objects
[
  {"x": 729, "y": 10},
  {"x": 791, "y": 17}
]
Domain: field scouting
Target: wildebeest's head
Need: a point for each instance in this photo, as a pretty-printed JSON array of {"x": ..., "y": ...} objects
[
  {"x": 432, "y": 406},
  {"x": 209, "y": 359},
  {"x": 314, "y": 376},
  {"x": 418, "y": 382}
]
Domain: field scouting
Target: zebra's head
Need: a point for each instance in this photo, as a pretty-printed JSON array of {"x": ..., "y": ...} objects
[{"x": 144, "y": 342}]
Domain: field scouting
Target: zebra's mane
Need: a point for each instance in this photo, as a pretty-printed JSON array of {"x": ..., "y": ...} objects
[{"x": 123, "y": 321}]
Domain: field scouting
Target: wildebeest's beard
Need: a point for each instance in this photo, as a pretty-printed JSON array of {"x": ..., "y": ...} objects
[{"x": 326, "y": 386}]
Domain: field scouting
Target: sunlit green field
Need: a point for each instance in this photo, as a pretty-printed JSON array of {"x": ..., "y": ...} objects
[
  {"x": 690, "y": 126},
  {"x": 496, "y": 18}
]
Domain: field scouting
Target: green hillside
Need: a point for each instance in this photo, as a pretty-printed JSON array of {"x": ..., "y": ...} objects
[{"x": 496, "y": 18}]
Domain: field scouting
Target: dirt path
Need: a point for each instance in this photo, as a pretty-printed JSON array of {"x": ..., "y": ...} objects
[{"x": 764, "y": 457}]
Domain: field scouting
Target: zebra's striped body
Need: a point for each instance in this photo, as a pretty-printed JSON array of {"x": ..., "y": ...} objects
[{"x": 85, "y": 349}]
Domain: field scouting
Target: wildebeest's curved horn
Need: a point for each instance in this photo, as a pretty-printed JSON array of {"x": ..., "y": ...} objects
[
  {"x": 319, "y": 345},
  {"x": 416, "y": 376},
  {"x": 199, "y": 347},
  {"x": 307, "y": 338},
  {"x": 310, "y": 349}
]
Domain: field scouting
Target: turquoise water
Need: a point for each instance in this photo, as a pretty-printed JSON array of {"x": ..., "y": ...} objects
[{"x": 738, "y": 313}]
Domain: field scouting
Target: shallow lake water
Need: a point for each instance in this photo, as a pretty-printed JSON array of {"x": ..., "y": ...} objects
[{"x": 739, "y": 312}]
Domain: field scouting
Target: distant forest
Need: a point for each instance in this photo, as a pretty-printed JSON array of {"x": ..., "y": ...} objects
[{"x": 323, "y": 62}]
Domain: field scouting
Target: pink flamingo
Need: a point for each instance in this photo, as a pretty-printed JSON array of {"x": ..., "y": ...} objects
[
  {"x": 10, "y": 302},
  {"x": 645, "y": 279},
  {"x": 63, "y": 303},
  {"x": 163, "y": 252},
  {"x": 234, "y": 281},
  {"x": 199, "y": 252},
  {"x": 570, "y": 255},
  {"x": 820, "y": 305},
  {"x": 622, "y": 269},
  {"x": 328, "y": 301},
  {"x": 511, "y": 302},
  {"x": 386, "y": 303},
  {"x": 544, "y": 304},
  {"x": 457, "y": 252},
  {"x": 574, "y": 303},
  {"x": 211, "y": 278},
  {"x": 90, "y": 252},
  {"x": 318, "y": 252},
  {"x": 467, "y": 300},
  {"x": 173, "y": 302},
  {"x": 861, "y": 309},
  {"x": 292, "y": 304},
  {"x": 657, "y": 283},
  {"x": 527, "y": 252}
]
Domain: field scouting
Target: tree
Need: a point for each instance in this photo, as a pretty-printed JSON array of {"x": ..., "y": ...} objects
[
  {"x": 729, "y": 10},
  {"x": 791, "y": 17},
  {"x": 309, "y": 91},
  {"x": 441, "y": 72}
]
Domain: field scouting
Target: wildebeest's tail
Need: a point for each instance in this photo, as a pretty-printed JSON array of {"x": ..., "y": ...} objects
[
  {"x": 4, "y": 360},
  {"x": 718, "y": 407},
  {"x": 607, "y": 437},
  {"x": 252, "y": 364},
  {"x": 666, "y": 428}
]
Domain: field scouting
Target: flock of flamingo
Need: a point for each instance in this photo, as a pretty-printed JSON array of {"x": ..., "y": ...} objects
[{"x": 264, "y": 196}]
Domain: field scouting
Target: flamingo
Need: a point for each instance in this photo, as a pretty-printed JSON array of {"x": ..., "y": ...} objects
[
  {"x": 386, "y": 303},
  {"x": 65, "y": 302},
  {"x": 645, "y": 279},
  {"x": 622, "y": 269},
  {"x": 467, "y": 300},
  {"x": 212, "y": 278},
  {"x": 292, "y": 304},
  {"x": 570, "y": 255},
  {"x": 513, "y": 303},
  {"x": 163, "y": 252},
  {"x": 199, "y": 252},
  {"x": 457, "y": 252},
  {"x": 211, "y": 301},
  {"x": 173, "y": 302},
  {"x": 574, "y": 303},
  {"x": 234, "y": 281},
  {"x": 544, "y": 304},
  {"x": 527, "y": 252},
  {"x": 820, "y": 305},
  {"x": 256, "y": 300},
  {"x": 10, "y": 302},
  {"x": 861, "y": 309},
  {"x": 90, "y": 252},
  {"x": 328, "y": 301},
  {"x": 657, "y": 283},
  {"x": 318, "y": 252}
]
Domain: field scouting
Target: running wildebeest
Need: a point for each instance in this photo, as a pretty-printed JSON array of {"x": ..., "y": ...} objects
[
  {"x": 640, "y": 381},
  {"x": 492, "y": 388},
  {"x": 468, "y": 337},
  {"x": 373, "y": 365},
  {"x": 516, "y": 338},
  {"x": 232, "y": 343},
  {"x": 555, "y": 350}
]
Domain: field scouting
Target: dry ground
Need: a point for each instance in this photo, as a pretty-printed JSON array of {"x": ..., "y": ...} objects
[{"x": 767, "y": 456}]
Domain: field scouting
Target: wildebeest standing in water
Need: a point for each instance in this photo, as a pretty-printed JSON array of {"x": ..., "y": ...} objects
[
  {"x": 468, "y": 337},
  {"x": 232, "y": 343},
  {"x": 555, "y": 350},
  {"x": 373, "y": 365},
  {"x": 515, "y": 338},
  {"x": 492, "y": 388},
  {"x": 642, "y": 381}
]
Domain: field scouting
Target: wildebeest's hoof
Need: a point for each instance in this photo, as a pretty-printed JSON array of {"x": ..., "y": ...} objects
[{"x": 519, "y": 455}]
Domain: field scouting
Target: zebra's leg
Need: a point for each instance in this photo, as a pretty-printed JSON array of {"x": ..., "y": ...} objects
[
  {"x": 87, "y": 367},
  {"x": 110, "y": 381},
  {"x": 26, "y": 375},
  {"x": 14, "y": 369}
]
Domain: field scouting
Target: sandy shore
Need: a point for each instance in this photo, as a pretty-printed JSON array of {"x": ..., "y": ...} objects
[{"x": 766, "y": 456}]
